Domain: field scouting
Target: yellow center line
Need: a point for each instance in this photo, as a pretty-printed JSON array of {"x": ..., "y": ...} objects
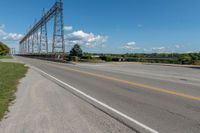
[{"x": 132, "y": 83}]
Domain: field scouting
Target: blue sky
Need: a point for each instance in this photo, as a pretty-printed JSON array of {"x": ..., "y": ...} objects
[{"x": 112, "y": 26}]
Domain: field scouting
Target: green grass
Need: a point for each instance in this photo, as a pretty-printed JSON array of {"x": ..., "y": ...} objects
[
  {"x": 10, "y": 74},
  {"x": 5, "y": 57}
]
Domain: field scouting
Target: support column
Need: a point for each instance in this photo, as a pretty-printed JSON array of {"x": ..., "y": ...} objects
[
  {"x": 58, "y": 35},
  {"x": 43, "y": 37}
]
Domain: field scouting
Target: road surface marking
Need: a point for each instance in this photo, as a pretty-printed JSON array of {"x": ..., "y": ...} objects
[
  {"x": 132, "y": 83},
  {"x": 99, "y": 102}
]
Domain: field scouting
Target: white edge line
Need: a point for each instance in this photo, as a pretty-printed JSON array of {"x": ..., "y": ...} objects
[{"x": 99, "y": 102}]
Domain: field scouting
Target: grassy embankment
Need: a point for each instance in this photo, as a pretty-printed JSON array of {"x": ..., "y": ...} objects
[{"x": 10, "y": 74}]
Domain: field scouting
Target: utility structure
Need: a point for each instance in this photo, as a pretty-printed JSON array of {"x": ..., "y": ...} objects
[
  {"x": 35, "y": 42},
  {"x": 12, "y": 51}
]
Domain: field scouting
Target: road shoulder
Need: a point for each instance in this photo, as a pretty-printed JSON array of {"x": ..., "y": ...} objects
[{"x": 43, "y": 106}]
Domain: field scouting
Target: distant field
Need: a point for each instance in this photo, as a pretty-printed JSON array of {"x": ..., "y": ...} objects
[
  {"x": 5, "y": 57},
  {"x": 10, "y": 73}
]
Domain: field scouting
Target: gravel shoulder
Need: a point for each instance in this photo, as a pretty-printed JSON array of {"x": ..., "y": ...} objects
[{"x": 42, "y": 106}]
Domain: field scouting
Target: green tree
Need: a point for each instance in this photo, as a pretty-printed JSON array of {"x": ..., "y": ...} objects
[
  {"x": 185, "y": 59},
  {"x": 4, "y": 50},
  {"x": 76, "y": 51}
]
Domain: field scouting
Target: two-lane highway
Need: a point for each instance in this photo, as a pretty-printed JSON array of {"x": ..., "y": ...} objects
[{"x": 162, "y": 102}]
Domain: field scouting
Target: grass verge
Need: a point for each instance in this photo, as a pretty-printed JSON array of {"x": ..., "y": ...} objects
[
  {"x": 10, "y": 74},
  {"x": 5, "y": 57}
]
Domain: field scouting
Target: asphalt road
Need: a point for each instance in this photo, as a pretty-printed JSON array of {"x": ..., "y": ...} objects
[
  {"x": 42, "y": 106},
  {"x": 162, "y": 98}
]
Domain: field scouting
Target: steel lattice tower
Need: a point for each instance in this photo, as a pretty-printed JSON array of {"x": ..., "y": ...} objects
[
  {"x": 28, "y": 47},
  {"x": 36, "y": 42},
  {"x": 37, "y": 35},
  {"x": 58, "y": 35},
  {"x": 43, "y": 36}
]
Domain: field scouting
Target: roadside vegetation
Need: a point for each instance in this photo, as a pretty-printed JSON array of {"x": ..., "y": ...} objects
[
  {"x": 169, "y": 58},
  {"x": 6, "y": 57},
  {"x": 4, "y": 51},
  {"x": 10, "y": 74},
  {"x": 76, "y": 54}
]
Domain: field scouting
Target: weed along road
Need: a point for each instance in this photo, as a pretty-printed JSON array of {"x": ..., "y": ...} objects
[{"x": 145, "y": 98}]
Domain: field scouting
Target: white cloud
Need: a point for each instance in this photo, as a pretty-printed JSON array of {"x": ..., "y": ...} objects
[
  {"x": 12, "y": 37},
  {"x": 2, "y": 32},
  {"x": 68, "y": 28},
  {"x": 86, "y": 39},
  {"x": 9, "y": 36},
  {"x": 131, "y": 43},
  {"x": 130, "y": 46},
  {"x": 147, "y": 50},
  {"x": 177, "y": 46},
  {"x": 158, "y": 48}
]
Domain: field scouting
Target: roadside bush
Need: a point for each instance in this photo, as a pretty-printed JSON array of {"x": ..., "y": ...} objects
[
  {"x": 197, "y": 62},
  {"x": 116, "y": 59},
  {"x": 87, "y": 57},
  {"x": 74, "y": 58},
  {"x": 4, "y": 50},
  {"x": 185, "y": 59},
  {"x": 129, "y": 59},
  {"x": 106, "y": 58}
]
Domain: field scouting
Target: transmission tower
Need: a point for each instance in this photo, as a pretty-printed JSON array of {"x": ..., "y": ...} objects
[
  {"x": 43, "y": 36},
  {"x": 28, "y": 46},
  {"x": 35, "y": 41},
  {"x": 58, "y": 35},
  {"x": 38, "y": 33}
]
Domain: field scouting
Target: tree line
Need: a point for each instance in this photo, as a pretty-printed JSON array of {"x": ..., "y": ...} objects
[{"x": 171, "y": 58}]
